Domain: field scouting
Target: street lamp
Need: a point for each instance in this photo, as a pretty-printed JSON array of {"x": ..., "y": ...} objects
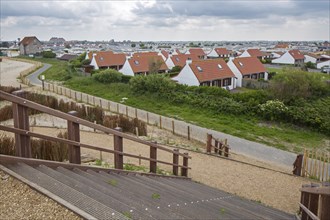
[{"x": 42, "y": 77}]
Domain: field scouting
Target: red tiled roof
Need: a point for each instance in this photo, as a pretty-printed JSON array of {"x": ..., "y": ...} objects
[
  {"x": 249, "y": 65},
  {"x": 296, "y": 54},
  {"x": 222, "y": 51},
  {"x": 28, "y": 40},
  {"x": 197, "y": 51},
  {"x": 255, "y": 52},
  {"x": 206, "y": 70},
  {"x": 165, "y": 53},
  {"x": 140, "y": 54},
  {"x": 141, "y": 63},
  {"x": 108, "y": 58},
  {"x": 282, "y": 46},
  {"x": 180, "y": 59}
]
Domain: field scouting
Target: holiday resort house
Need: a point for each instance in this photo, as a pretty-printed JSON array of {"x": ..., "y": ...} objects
[
  {"x": 143, "y": 64},
  {"x": 213, "y": 72},
  {"x": 248, "y": 68},
  {"x": 255, "y": 53},
  {"x": 197, "y": 51},
  {"x": 220, "y": 53},
  {"x": 180, "y": 60},
  {"x": 106, "y": 60},
  {"x": 293, "y": 57}
]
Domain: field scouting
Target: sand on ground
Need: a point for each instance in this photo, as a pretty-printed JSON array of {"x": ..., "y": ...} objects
[{"x": 10, "y": 70}]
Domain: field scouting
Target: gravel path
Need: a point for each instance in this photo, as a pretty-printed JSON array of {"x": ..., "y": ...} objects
[
  {"x": 19, "y": 201},
  {"x": 34, "y": 76}
]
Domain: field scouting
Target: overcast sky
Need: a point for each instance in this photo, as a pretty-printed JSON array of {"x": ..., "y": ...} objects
[{"x": 167, "y": 20}]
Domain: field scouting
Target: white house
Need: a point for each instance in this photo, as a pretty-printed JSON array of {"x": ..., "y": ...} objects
[
  {"x": 312, "y": 58},
  {"x": 107, "y": 60},
  {"x": 213, "y": 72},
  {"x": 179, "y": 60},
  {"x": 294, "y": 57},
  {"x": 255, "y": 53},
  {"x": 247, "y": 67},
  {"x": 220, "y": 53},
  {"x": 196, "y": 51},
  {"x": 322, "y": 64},
  {"x": 276, "y": 54}
]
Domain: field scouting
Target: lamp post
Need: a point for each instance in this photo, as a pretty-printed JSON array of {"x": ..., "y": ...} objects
[{"x": 42, "y": 77}]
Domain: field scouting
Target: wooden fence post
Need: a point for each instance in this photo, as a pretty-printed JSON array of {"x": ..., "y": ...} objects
[
  {"x": 188, "y": 132},
  {"x": 216, "y": 146},
  {"x": 173, "y": 128},
  {"x": 160, "y": 122},
  {"x": 21, "y": 121},
  {"x": 147, "y": 118},
  {"x": 136, "y": 114},
  {"x": 226, "y": 154},
  {"x": 153, "y": 155},
  {"x": 184, "y": 171},
  {"x": 127, "y": 111},
  {"x": 118, "y": 146},
  {"x": 208, "y": 143},
  {"x": 297, "y": 165},
  {"x": 74, "y": 135},
  {"x": 175, "y": 161},
  {"x": 324, "y": 209}
]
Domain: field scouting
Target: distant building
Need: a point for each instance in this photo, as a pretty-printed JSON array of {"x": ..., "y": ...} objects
[
  {"x": 106, "y": 60},
  {"x": 197, "y": 51},
  {"x": 220, "y": 53},
  {"x": 213, "y": 72},
  {"x": 57, "y": 40},
  {"x": 30, "y": 45},
  {"x": 294, "y": 57},
  {"x": 180, "y": 60},
  {"x": 255, "y": 53}
]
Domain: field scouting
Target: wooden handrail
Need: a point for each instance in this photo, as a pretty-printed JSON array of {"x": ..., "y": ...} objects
[
  {"x": 70, "y": 142},
  {"x": 308, "y": 212},
  {"x": 59, "y": 114}
]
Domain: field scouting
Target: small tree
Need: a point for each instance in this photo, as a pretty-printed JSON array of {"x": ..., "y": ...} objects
[
  {"x": 48, "y": 54},
  {"x": 310, "y": 65},
  {"x": 154, "y": 65},
  {"x": 133, "y": 45},
  {"x": 108, "y": 76}
]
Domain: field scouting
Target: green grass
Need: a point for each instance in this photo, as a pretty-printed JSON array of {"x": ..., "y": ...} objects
[
  {"x": 155, "y": 196},
  {"x": 58, "y": 71},
  {"x": 281, "y": 135},
  {"x": 113, "y": 182}
]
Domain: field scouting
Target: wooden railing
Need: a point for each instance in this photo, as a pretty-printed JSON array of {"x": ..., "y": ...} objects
[
  {"x": 23, "y": 136},
  {"x": 220, "y": 147},
  {"x": 315, "y": 202}
]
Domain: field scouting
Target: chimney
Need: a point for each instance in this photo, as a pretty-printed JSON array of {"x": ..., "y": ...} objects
[{"x": 188, "y": 61}]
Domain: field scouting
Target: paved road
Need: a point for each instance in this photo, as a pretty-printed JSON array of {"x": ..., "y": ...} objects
[{"x": 34, "y": 76}]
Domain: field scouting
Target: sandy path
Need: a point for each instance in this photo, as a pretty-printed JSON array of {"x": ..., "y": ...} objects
[
  {"x": 269, "y": 187},
  {"x": 10, "y": 70}
]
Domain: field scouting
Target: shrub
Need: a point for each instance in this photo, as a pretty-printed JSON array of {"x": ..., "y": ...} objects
[
  {"x": 154, "y": 83},
  {"x": 108, "y": 76},
  {"x": 273, "y": 110},
  {"x": 176, "y": 69},
  {"x": 48, "y": 54},
  {"x": 128, "y": 125}
]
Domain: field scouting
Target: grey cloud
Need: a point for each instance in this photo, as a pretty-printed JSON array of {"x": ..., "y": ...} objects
[{"x": 233, "y": 9}]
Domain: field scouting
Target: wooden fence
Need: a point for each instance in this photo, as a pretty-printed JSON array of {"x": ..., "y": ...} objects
[
  {"x": 219, "y": 146},
  {"x": 315, "y": 164},
  {"x": 23, "y": 137},
  {"x": 315, "y": 202}
]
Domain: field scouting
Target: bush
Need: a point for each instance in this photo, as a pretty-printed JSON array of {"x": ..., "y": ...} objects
[
  {"x": 48, "y": 54},
  {"x": 273, "y": 110},
  {"x": 108, "y": 76},
  {"x": 154, "y": 83},
  {"x": 176, "y": 69},
  {"x": 126, "y": 78}
]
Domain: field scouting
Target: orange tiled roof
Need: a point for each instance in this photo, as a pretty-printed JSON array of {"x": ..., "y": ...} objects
[
  {"x": 255, "y": 52},
  {"x": 282, "y": 46},
  {"x": 165, "y": 53},
  {"x": 108, "y": 58},
  {"x": 140, "y": 54},
  {"x": 249, "y": 65},
  {"x": 222, "y": 51},
  {"x": 141, "y": 63},
  {"x": 206, "y": 70},
  {"x": 180, "y": 59},
  {"x": 296, "y": 54},
  {"x": 197, "y": 51}
]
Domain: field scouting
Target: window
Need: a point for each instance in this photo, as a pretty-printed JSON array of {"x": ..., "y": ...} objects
[
  {"x": 254, "y": 76},
  {"x": 261, "y": 75},
  {"x": 177, "y": 59},
  {"x": 199, "y": 69},
  {"x": 227, "y": 82},
  {"x": 220, "y": 67},
  {"x": 136, "y": 62},
  {"x": 241, "y": 64},
  {"x": 101, "y": 58}
]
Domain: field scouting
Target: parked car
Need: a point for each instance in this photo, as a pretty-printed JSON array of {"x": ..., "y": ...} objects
[{"x": 325, "y": 69}]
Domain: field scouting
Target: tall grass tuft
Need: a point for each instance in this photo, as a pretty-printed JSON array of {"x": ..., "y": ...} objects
[{"x": 128, "y": 125}]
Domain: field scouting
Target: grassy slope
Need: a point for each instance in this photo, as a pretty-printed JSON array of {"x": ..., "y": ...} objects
[{"x": 282, "y": 136}]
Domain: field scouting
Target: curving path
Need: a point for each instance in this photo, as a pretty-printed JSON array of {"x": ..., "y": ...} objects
[{"x": 33, "y": 77}]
